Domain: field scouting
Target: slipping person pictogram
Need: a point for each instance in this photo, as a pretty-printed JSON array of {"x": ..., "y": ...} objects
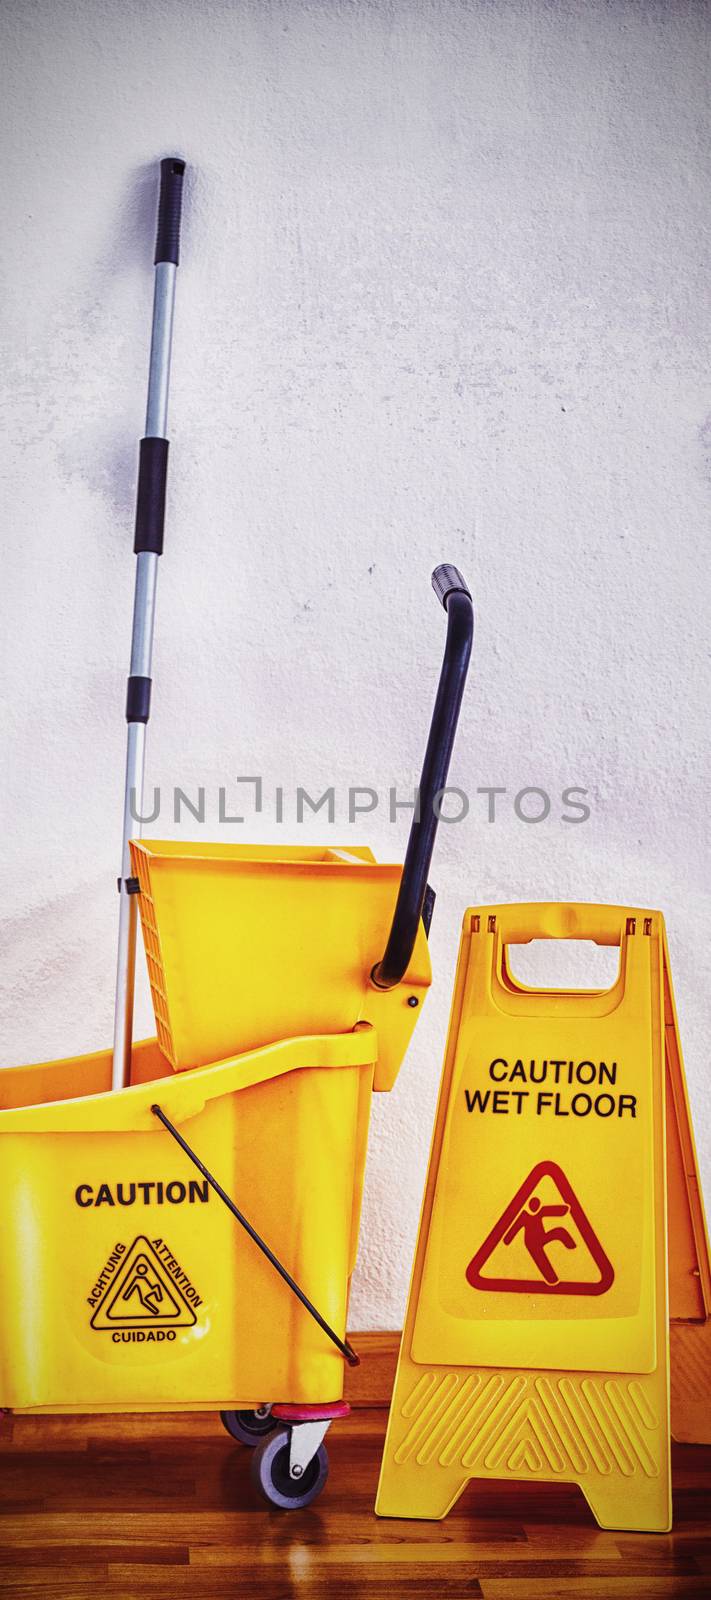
[
  {"x": 526, "y": 1217},
  {"x": 142, "y": 1293},
  {"x": 150, "y": 1293},
  {"x": 531, "y": 1221}
]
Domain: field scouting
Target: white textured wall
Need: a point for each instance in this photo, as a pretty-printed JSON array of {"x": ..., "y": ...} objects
[{"x": 443, "y": 296}]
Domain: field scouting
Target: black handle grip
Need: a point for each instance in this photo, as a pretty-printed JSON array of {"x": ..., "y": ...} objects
[
  {"x": 450, "y": 588},
  {"x": 150, "y": 499},
  {"x": 172, "y": 172}
]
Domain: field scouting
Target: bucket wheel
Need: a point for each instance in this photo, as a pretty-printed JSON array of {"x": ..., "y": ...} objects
[
  {"x": 249, "y": 1427},
  {"x": 281, "y": 1478}
]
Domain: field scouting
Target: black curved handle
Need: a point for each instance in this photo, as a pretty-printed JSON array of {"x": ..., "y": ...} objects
[
  {"x": 170, "y": 205},
  {"x": 451, "y": 589}
]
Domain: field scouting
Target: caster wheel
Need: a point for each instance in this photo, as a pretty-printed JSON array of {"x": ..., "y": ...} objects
[
  {"x": 270, "y": 1473},
  {"x": 248, "y": 1427}
]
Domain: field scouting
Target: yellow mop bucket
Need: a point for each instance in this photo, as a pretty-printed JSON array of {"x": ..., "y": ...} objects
[{"x": 126, "y": 1284}]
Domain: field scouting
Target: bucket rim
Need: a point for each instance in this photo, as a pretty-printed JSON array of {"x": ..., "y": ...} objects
[{"x": 184, "y": 1095}]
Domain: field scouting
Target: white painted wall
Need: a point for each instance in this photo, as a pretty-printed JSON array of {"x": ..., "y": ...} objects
[{"x": 443, "y": 296}]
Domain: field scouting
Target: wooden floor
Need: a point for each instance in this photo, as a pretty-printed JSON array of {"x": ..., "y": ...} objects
[{"x": 135, "y": 1507}]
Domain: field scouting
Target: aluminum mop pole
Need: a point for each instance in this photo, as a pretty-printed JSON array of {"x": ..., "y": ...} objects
[{"x": 148, "y": 546}]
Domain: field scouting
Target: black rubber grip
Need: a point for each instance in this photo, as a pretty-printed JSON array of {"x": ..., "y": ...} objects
[
  {"x": 150, "y": 499},
  {"x": 448, "y": 580},
  {"x": 138, "y": 699},
  {"x": 170, "y": 204}
]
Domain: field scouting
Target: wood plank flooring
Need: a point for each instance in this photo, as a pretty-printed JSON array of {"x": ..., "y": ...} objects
[{"x": 141, "y": 1507}]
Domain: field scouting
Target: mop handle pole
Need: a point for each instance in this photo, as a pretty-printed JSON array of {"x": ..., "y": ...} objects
[{"x": 148, "y": 546}]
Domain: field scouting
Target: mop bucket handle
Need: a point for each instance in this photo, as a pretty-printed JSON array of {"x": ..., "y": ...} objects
[{"x": 451, "y": 589}]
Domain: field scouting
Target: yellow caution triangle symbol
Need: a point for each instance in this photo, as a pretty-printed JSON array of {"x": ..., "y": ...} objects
[{"x": 143, "y": 1295}]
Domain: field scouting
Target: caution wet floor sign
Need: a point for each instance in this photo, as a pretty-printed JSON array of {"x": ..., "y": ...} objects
[{"x": 536, "y": 1339}]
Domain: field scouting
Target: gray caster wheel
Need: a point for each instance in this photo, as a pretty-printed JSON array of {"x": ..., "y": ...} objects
[
  {"x": 248, "y": 1427},
  {"x": 270, "y": 1473}
]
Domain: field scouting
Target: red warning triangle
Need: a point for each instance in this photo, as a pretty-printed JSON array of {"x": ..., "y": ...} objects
[
  {"x": 143, "y": 1295},
  {"x": 534, "y": 1223}
]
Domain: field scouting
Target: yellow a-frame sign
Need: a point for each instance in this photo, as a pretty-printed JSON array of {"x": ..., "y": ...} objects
[{"x": 536, "y": 1342}]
